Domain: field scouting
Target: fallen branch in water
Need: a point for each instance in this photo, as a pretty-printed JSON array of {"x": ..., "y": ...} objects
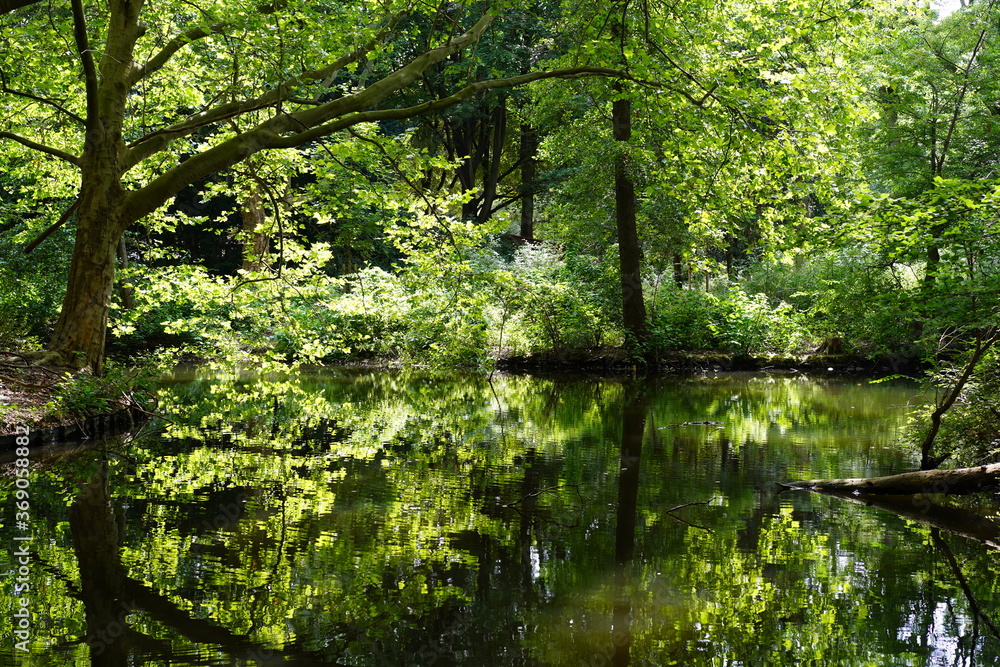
[
  {"x": 535, "y": 494},
  {"x": 670, "y": 511},
  {"x": 715, "y": 424},
  {"x": 957, "y": 481}
]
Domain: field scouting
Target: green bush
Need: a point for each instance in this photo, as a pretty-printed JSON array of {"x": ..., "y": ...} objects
[
  {"x": 174, "y": 305},
  {"x": 554, "y": 305},
  {"x": 749, "y": 324},
  {"x": 849, "y": 293},
  {"x": 731, "y": 321},
  {"x": 683, "y": 319},
  {"x": 81, "y": 394}
]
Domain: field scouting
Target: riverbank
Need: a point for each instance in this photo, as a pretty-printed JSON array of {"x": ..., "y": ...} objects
[
  {"x": 59, "y": 404},
  {"x": 616, "y": 361},
  {"x": 27, "y": 394}
]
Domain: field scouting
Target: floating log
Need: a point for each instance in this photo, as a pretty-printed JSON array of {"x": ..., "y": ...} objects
[{"x": 957, "y": 481}]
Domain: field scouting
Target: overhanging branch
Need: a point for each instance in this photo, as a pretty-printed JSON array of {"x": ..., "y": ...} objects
[
  {"x": 158, "y": 140},
  {"x": 172, "y": 47},
  {"x": 266, "y": 135},
  {"x": 87, "y": 59},
  {"x": 10, "y": 5},
  {"x": 42, "y": 100},
  {"x": 438, "y": 104}
]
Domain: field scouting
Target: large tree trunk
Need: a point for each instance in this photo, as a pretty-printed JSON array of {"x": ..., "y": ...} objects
[
  {"x": 958, "y": 481},
  {"x": 80, "y": 332}
]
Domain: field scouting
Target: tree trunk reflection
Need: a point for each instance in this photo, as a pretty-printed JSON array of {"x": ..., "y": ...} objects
[{"x": 633, "y": 427}]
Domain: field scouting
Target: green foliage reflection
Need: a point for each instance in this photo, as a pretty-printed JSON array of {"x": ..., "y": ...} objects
[{"x": 349, "y": 518}]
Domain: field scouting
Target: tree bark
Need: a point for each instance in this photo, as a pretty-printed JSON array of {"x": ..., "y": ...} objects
[
  {"x": 529, "y": 163},
  {"x": 957, "y": 481},
  {"x": 256, "y": 243},
  {"x": 125, "y": 291},
  {"x": 81, "y": 330},
  {"x": 629, "y": 254}
]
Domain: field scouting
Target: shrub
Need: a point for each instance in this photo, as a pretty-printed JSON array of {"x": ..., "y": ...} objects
[
  {"x": 749, "y": 324},
  {"x": 81, "y": 394},
  {"x": 684, "y": 320},
  {"x": 849, "y": 293}
]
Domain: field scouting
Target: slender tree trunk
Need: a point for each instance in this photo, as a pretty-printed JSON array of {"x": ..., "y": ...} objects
[
  {"x": 125, "y": 292},
  {"x": 528, "y": 149},
  {"x": 678, "y": 271},
  {"x": 491, "y": 166},
  {"x": 256, "y": 243},
  {"x": 629, "y": 254},
  {"x": 983, "y": 344}
]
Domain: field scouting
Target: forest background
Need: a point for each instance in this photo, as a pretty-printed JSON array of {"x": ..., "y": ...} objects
[{"x": 457, "y": 183}]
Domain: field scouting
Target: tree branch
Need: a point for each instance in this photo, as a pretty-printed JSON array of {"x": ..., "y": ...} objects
[
  {"x": 87, "y": 60},
  {"x": 158, "y": 140},
  {"x": 34, "y": 145},
  {"x": 7, "y": 6},
  {"x": 43, "y": 100},
  {"x": 53, "y": 227},
  {"x": 442, "y": 103},
  {"x": 268, "y": 134},
  {"x": 172, "y": 47},
  {"x": 982, "y": 347},
  {"x": 953, "y": 122}
]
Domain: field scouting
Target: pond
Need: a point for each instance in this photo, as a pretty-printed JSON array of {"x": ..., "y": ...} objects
[{"x": 351, "y": 518}]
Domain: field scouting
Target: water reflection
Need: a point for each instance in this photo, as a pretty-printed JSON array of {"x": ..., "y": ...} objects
[{"x": 382, "y": 519}]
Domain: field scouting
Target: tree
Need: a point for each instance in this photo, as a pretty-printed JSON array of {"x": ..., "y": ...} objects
[
  {"x": 740, "y": 124},
  {"x": 629, "y": 251},
  {"x": 173, "y": 93},
  {"x": 937, "y": 93}
]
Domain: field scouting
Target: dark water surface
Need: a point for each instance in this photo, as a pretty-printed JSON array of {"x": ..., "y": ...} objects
[{"x": 344, "y": 518}]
